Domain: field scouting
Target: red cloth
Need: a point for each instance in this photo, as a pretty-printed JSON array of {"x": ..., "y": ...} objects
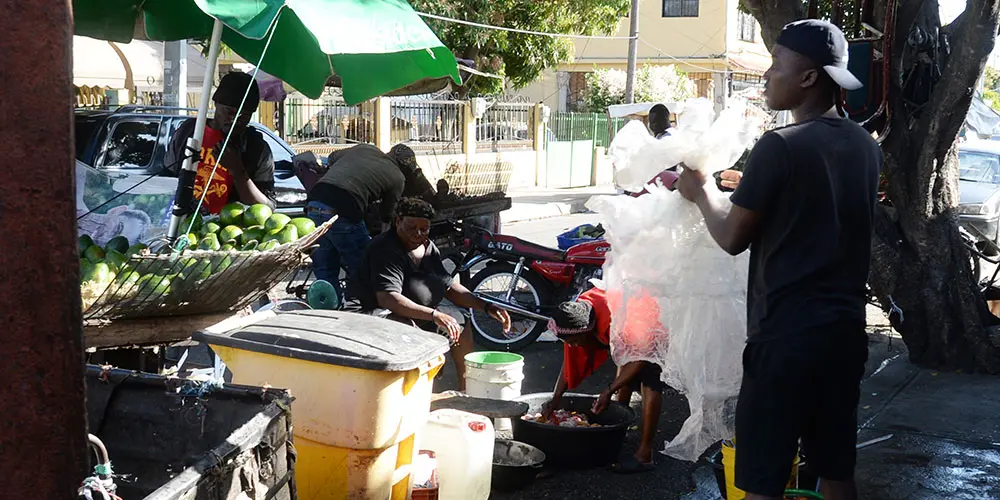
[
  {"x": 221, "y": 184},
  {"x": 642, "y": 326},
  {"x": 579, "y": 362}
]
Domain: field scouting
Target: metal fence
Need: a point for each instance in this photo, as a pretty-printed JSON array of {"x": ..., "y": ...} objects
[
  {"x": 427, "y": 126},
  {"x": 506, "y": 126},
  {"x": 328, "y": 121},
  {"x": 584, "y": 126}
]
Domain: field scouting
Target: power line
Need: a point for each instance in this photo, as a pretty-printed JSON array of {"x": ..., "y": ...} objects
[
  {"x": 516, "y": 30},
  {"x": 682, "y": 61}
]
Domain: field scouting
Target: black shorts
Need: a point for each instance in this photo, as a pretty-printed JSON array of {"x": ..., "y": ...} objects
[
  {"x": 648, "y": 377},
  {"x": 805, "y": 385}
]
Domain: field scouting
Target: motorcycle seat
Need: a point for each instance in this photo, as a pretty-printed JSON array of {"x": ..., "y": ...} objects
[{"x": 529, "y": 249}]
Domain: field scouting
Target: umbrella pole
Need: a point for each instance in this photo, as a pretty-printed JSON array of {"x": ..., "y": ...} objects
[{"x": 186, "y": 176}]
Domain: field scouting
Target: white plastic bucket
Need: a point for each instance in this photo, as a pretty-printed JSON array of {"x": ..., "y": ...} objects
[{"x": 494, "y": 375}]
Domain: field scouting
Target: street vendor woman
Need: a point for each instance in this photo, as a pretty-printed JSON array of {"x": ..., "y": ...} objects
[
  {"x": 804, "y": 207},
  {"x": 584, "y": 326},
  {"x": 246, "y": 169},
  {"x": 402, "y": 271}
]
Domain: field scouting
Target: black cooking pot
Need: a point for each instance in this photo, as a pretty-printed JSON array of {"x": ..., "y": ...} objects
[
  {"x": 576, "y": 447},
  {"x": 515, "y": 465}
]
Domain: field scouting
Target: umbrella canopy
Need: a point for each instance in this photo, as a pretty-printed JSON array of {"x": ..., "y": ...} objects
[{"x": 375, "y": 47}]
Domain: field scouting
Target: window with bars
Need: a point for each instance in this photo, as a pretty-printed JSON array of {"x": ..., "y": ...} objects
[
  {"x": 747, "y": 27},
  {"x": 680, "y": 8}
]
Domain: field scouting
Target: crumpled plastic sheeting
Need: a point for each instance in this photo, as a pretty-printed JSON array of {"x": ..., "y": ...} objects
[
  {"x": 665, "y": 263},
  {"x": 697, "y": 141}
]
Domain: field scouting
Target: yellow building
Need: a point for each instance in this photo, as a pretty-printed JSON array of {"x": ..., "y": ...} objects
[{"x": 715, "y": 44}]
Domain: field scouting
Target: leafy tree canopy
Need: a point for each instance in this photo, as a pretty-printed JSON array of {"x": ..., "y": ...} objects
[{"x": 518, "y": 57}]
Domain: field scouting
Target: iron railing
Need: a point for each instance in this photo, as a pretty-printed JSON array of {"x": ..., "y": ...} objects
[
  {"x": 328, "y": 121},
  {"x": 506, "y": 126},
  {"x": 596, "y": 127},
  {"x": 428, "y": 126}
]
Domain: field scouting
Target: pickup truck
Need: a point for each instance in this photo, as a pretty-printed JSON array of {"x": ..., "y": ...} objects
[{"x": 128, "y": 145}]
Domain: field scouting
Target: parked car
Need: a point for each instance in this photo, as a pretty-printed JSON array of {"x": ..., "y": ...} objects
[
  {"x": 128, "y": 144},
  {"x": 979, "y": 185}
]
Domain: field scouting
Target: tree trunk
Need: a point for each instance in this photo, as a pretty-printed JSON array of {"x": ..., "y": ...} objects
[{"x": 919, "y": 265}]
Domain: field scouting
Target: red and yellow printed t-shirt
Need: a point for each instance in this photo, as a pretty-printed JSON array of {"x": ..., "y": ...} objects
[{"x": 221, "y": 183}]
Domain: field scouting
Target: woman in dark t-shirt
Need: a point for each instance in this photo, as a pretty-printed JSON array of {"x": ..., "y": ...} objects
[{"x": 402, "y": 271}]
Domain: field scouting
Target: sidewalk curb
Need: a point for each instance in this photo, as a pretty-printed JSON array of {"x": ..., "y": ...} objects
[{"x": 523, "y": 212}]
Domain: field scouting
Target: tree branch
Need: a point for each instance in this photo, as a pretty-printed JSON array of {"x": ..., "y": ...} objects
[{"x": 774, "y": 15}]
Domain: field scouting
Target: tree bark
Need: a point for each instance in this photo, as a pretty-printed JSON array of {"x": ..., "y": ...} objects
[{"x": 919, "y": 265}]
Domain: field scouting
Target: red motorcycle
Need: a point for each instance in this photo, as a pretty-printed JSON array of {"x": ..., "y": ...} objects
[{"x": 527, "y": 279}]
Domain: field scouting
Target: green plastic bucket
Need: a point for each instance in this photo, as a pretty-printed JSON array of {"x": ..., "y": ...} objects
[{"x": 484, "y": 358}]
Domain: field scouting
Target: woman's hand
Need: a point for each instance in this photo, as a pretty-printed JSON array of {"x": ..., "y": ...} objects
[
  {"x": 550, "y": 407},
  {"x": 730, "y": 179},
  {"x": 602, "y": 402},
  {"x": 500, "y": 315},
  {"x": 448, "y": 324}
]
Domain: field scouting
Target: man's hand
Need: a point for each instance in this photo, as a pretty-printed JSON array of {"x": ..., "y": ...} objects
[
  {"x": 691, "y": 184},
  {"x": 500, "y": 315},
  {"x": 448, "y": 324},
  {"x": 602, "y": 402},
  {"x": 730, "y": 179},
  {"x": 232, "y": 160}
]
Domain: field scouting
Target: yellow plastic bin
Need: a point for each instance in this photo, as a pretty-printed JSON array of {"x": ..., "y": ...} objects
[
  {"x": 729, "y": 465},
  {"x": 330, "y": 473},
  {"x": 360, "y": 382}
]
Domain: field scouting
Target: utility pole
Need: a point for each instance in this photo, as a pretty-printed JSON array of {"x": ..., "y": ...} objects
[
  {"x": 633, "y": 49},
  {"x": 175, "y": 73}
]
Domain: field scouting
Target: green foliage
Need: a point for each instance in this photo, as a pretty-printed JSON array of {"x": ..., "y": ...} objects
[
  {"x": 519, "y": 58},
  {"x": 991, "y": 88},
  {"x": 606, "y": 87}
]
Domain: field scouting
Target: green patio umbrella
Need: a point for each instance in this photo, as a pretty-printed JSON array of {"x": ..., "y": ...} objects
[{"x": 374, "y": 47}]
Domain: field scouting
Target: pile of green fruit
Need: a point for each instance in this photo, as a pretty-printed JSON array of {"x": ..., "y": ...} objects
[
  {"x": 101, "y": 266},
  {"x": 239, "y": 227}
]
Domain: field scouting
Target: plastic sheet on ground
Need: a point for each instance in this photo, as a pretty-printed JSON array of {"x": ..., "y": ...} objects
[{"x": 677, "y": 299}]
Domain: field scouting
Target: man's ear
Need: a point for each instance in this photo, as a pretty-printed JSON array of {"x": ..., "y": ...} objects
[{"x": 809, "y": 78}]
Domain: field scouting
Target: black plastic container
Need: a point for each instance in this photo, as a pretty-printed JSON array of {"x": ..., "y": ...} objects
[
  {"x": 576, "y": 447},
  {"x": 515, "y": 465},
  {"x": 173, "y": 439}
]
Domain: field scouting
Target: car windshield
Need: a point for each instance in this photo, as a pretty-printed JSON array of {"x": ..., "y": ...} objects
[{"x": 979, "y": 167}]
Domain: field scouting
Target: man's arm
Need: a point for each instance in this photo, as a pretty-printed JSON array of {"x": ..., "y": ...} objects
[
  {"x": 389, "y": 200},
  {"x": 732, "y": 227},
  {"x": 249, "y": 192},
  {"x": 735, "y": 225}
]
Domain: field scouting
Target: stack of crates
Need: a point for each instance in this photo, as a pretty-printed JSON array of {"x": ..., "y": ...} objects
[{"x": 362, "y": 388}]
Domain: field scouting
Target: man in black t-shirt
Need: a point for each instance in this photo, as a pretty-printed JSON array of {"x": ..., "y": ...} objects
[
  {"x": 356, "y": 179},
  {"x": 804, "y": 207}
]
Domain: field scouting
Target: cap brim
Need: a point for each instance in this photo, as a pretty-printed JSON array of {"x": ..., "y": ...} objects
[{"x": 843, "y": 77}]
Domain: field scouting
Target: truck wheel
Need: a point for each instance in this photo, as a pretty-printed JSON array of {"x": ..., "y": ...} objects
[{"x": 530, "y": 292}]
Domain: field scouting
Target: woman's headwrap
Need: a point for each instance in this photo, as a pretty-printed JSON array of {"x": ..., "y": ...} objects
[{"x": 572, "y": 318}]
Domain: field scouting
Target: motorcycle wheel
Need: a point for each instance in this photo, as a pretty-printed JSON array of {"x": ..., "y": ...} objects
[{"x": 531, "y": 292}]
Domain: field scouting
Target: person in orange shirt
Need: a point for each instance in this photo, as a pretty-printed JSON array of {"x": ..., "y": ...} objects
[{"x": 584, "y": 325}]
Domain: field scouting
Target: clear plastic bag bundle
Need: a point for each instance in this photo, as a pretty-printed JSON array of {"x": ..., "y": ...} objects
[
  {"x": 677, "y": 299},
  {"x": 697, "y": 141}
]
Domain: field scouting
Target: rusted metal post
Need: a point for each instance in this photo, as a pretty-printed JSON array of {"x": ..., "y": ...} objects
[{"x": 43, "y": 440}]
